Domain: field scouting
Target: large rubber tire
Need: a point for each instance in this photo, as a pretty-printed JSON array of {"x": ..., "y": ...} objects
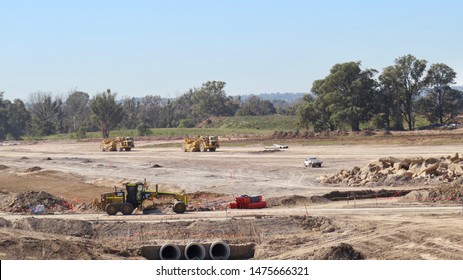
[
  {"x": 127, "y": 209},
  {"x": 128, "y": 149},
  {"x": 202, "y": 147},
  {"x": 212, "y": 149},
  {"x": 111, "y": 209},
  {"x": 179, "y": 207}
]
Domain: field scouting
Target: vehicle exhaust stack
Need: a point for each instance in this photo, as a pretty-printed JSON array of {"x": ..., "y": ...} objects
[
  {"x": 195, "y": 251},
  {"x": 219, "y": 250},
  {"x": 169, "y": 252}
]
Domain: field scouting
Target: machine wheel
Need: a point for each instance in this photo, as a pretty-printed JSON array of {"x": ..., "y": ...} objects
[
  {"x": 127, "y": 209},
  {"x": 202, "y": 147},
  {"x": 111, "y": 209},
  {"x": 128, "y": 149},
  {"x": 212, "y": 149},
  {"x": 179, "y": 207}
]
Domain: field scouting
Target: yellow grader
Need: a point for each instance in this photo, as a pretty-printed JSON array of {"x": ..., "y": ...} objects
[
  {"x": 134, "y": 196},
  {"x": 201, "y": 144},
  {"x": 117, "y": 144}
]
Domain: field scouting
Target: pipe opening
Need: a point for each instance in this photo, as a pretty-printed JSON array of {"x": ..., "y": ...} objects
[
  {"x": 195, "y": 251},
  {"x": 169, "y": 252},
  {"x": 219, "y": 250}
]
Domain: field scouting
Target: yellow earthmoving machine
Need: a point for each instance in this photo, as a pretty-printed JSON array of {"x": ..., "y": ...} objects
[
  {"x": 134, "y": 195},
  {"x": 117, "y": 144},
  {"x": 201, "y": 144}
]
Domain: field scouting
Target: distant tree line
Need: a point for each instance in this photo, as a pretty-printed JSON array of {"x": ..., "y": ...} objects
[
  {"x": 45, "y": 114},
  {"x": 349, "y": 96}
]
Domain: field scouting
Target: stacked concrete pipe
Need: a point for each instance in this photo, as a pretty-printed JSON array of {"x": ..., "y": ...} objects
[{"x": 218, "y": 250}]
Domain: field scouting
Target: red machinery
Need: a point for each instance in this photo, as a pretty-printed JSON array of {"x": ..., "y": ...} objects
[{"x": 249, "y": 202}]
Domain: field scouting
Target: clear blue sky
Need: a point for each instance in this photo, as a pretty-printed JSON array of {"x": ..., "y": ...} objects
[{"x": 138, "y": 48}]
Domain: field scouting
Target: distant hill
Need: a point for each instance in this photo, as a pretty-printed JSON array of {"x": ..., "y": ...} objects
[{"x": 289, "y": 97}]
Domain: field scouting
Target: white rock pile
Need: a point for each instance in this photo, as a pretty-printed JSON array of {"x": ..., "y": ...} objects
[{"x": 391, "y": 170}]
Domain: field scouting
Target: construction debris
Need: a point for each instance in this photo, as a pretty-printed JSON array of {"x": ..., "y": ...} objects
[{"x": 36, "y": 202}]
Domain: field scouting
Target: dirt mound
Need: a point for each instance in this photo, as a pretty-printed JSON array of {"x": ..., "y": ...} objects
[
  {"x": 314, "y": 223},
  {"x": 309, "y": 134},
  {"x": 4, "y": 223},
  {"x": 367, "y": 132},
  {"x": 364, "y": 194},
  {"x": 2, "y": 167},
  {"x": 28, "y": 201},
  {"x": 56, "y": 226},
  {"x": 155, "y": 166},
  {"x": 449, "y": 193},
  {"x": 393, "y": 171},
  {"x": 21, "y": 245},
  {"x": 292, "y": 200},
  {"x": 318, "y": 199},
  {"x": 343, "y": 251},
  {"x": 34, "y": 169},
  {"x": 416, "y": 196}
]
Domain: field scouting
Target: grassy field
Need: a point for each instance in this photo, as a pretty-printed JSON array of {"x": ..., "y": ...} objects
[
  {"x": 221, "y": 126},
  {"x": 257, "y": 129}
]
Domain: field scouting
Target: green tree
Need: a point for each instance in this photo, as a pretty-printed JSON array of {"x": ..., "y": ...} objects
[
  {"x": 151, "y": 111},
  {"x": 46, "y": 113},
  {"x": 254, "y": 106},
  {"x": 390, "y": 99},
  {"x": 107, "y": 114},
  {"x": 76, "y": 111},
  {"x": 439, "y": 78},
  {"x": 451, "y": 100},
  {"x": 410, "y": 72},
  {"x": 209, "y": 100},
  {"x": 313, "y": 110},
  {"x": 3, "y": 117},
  {"x": 18, "y": 119},
  {"x": 349, "y": 94},
  {"x": 131, "y": 109}
]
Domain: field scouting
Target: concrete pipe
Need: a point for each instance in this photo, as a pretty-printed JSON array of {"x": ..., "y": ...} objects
[
  {"x": 219, "y": 250},
  {"x": 169, "y": 252},
  {"x": 195, "y": 251}
]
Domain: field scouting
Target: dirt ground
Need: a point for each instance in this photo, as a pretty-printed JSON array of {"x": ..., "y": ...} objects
[{"x": 300, "y": 224}]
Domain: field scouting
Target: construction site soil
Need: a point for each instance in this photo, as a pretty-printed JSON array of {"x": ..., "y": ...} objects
[{"x": 48, "y": 188}]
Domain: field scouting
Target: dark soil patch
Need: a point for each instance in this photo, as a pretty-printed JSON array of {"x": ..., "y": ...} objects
[
  {"x": 314, "y": 223},
  {"x": 364, "y": 194},
  {"x": 34, "y": 169},
  {"x": 343, "y": 251}
]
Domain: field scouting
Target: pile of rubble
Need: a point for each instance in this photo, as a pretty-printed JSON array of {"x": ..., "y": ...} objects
[
  {"x": 33, "y": 201},
  {"x": 394, "y": 171}
]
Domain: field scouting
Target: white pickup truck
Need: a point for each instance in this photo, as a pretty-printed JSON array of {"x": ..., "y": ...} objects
[{"x": 312, "y": 162}]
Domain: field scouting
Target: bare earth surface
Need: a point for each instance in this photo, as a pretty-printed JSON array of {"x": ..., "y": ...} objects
[{"x": 295, "y": 227}]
